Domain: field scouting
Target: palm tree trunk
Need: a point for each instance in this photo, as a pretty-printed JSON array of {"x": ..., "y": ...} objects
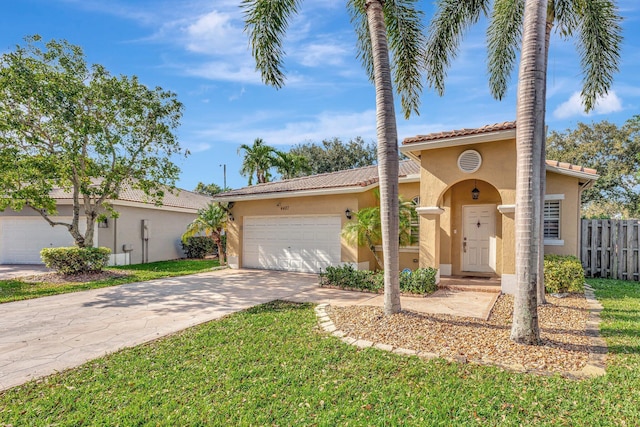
[
  {"x": 387, "y": 155},
  {"x": 542, "y": 299},
  {"x": 529, "y": 140}
]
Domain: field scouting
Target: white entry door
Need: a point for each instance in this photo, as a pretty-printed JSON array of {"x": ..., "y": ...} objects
[
  {"x": 478, "y": 238},
  {"x": 292, "y": 243}
]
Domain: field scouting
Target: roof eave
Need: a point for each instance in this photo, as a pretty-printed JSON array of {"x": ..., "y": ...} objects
[
  {"x": 297, "y": 193},
  {"x": 573, "y": 173},
  {"x": 500, "y": 135}
]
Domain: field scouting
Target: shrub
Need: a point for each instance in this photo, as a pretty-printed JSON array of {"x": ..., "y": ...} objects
[
  {"x": 198, "y": 247},
  {"x": 347, "y": 277},
  {"x": 74, "y": 260},
  {"x": 420, "y": 281},
  {"x": 563, "y": 273}
]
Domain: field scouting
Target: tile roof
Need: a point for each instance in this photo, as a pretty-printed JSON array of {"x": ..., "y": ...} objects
[
  {"x": 570, "y": 167},
  {"x": 350, "y": 178},
  {"x": 180, "y": 199},
  {"x": 460, "y": 132},
  {"x": 496, "y": 127}
]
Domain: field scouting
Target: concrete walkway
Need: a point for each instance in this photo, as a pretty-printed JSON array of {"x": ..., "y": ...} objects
[
  {"x": 42, "y": 336},
  {"x": 9, "y": 271}
]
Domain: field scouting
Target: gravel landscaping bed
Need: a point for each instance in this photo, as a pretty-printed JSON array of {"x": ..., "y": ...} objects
[{"x": 563, "y": 322}]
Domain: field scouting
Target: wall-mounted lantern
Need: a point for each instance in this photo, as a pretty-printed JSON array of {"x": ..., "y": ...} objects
[
  {"x": 348, "y": 213},
  {"x": 475, "y": 193}
]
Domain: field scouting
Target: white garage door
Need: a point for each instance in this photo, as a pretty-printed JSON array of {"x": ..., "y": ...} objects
[
  {"x": 292, "y": 243},
  {"x": 22, "y": 238}
]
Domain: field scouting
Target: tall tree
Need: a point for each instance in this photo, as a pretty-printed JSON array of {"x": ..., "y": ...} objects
[
  {"x": 334, "y": 155},
  {"x": 596, "y": 24},
  {"x": 258, "y": 159},
  {"x": 291, "y": 165},
  {"x": 380, "y": 25},
  {"x": 208, "y": 189},
  {"x": 529, "y": 141},
  {"x": 614, "y": 152},
  {"x": 65, "y": 125},
  {"x": 211, "y": 222}
]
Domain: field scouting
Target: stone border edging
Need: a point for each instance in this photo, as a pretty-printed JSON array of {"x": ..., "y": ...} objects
[{"x": 595, "y": 363}]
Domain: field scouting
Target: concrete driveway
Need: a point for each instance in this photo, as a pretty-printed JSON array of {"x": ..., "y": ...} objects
[
  {"x": 42, "y": 336},
  {"x": 10, "y": 271}
]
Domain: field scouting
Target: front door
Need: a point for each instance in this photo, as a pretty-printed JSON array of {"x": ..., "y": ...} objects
[{"x": 478, "y": 238}]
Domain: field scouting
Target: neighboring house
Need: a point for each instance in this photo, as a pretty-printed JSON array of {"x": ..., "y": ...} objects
[
  {"x": 464, "y": 182},
  {"x": 23, "y": 234}
]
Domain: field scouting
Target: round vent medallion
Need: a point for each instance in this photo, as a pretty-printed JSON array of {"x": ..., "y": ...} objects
[{"x": 469, "y": 161}]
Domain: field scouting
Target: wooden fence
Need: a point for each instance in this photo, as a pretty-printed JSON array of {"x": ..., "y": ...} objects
[{"x": 610, "y": 248}]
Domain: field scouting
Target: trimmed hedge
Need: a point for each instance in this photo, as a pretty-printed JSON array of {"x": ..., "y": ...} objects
[
  {"x": 198, "y": 247},
  {"x": 420, "y": 281},
  {"x": 75, "y": 260},
  {"x": 563, "y": 273}
]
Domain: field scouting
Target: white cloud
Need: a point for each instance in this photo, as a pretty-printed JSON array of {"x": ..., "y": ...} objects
[
  {"x": 215, "y": 33},
  {"x": 325, "y": 125},
  {"x": 225, "y": 71},
  {"x": 610, "y": 103},
  {"x": 197, "y": 147},
  {"x": 320, "y": 55}
]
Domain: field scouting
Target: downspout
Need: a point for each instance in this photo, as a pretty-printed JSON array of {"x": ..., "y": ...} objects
[{"x": 115, "y": 241}]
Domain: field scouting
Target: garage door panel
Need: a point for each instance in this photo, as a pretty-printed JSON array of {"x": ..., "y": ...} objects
[
  {"x": 22, "y": 238},
  {"x": 294, "y": 243}
]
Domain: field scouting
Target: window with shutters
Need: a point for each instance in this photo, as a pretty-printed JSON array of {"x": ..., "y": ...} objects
[
  {"x": 552, "y": 219},
  {"x": 415, "y": 223}
]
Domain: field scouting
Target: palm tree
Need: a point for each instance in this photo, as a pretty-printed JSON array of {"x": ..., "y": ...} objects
[
  {"x": 291, "y": 165},
  {"x": 380, "y": 25},
  {"x": 211, "y": 221},
  {"x": 258, "y": 159},
  {"x": 596, "y": 24},
  {"x": 366, "y": 229}
]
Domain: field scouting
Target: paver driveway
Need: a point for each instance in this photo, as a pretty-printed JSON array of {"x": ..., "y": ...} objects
[{"x": 41, "y": 336}]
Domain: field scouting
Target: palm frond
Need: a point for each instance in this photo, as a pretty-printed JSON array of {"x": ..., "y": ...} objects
[
  {"x": 600, "y": 37},
  {"x": 503, "y": 41},
  {"x": 406, "y": 43},
  {"x": 364, "y": 49},
  {"x": 452, "y": 18},
  {"x": 266, "y": 22}
]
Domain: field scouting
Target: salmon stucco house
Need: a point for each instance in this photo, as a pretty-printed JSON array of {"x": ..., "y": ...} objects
[{"x": 463, "y": 183}]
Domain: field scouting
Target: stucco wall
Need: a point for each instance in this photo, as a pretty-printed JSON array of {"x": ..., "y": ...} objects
[
  {"x": 569, "y": 188},
  {"x": 291, "y": 206},
  {"x": 334, "y": 204},
  {"x": 444, "y": 186},
  {"x": 166, "y": 228}
]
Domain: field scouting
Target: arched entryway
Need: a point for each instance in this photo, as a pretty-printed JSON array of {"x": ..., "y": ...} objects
[{"x": 471, "y": 231}]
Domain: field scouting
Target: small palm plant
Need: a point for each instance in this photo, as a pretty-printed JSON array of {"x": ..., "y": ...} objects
[
  {"x": 211, "y": 222},
  {"x": 366, "y": 228}
]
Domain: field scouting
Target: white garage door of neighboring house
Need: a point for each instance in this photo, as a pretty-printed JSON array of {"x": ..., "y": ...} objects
[
  {"x": 291, "y": 243},
  {"x": 22, "y": 238}
]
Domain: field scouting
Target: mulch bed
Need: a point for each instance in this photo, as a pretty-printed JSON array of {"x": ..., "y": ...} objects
[
  {"x": 73, "y": 278},
  {"x": 564, "y": 347}
]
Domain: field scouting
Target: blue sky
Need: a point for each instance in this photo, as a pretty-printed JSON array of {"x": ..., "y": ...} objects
[{"x": 198, "y": 50}]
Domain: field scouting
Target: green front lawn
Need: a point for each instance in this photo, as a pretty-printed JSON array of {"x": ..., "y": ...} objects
[
  {"x": 270, "y": 366},
  {"x": 15, "y": 290}
]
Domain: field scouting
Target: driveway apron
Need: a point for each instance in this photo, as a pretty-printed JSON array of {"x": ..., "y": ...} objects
[
  {"x": 39, "y": 337},
  {"x": 42, "y": 336}
]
